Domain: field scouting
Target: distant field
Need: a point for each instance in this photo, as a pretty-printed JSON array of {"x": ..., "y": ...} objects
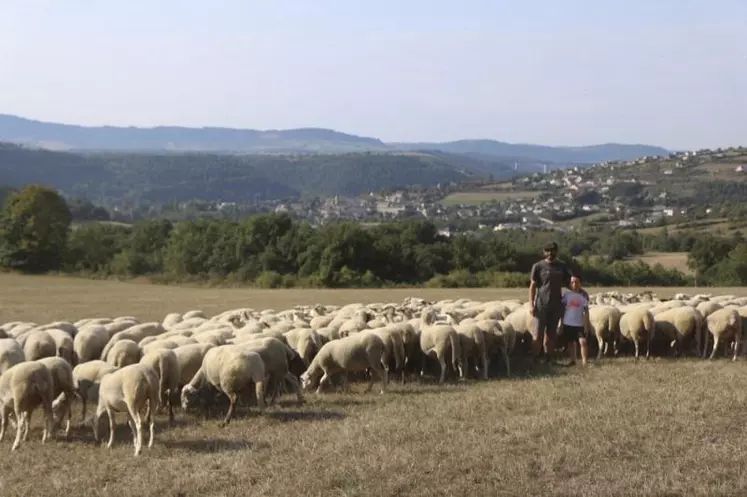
[
  {"x": 708, "y": 225},
  {"x": 670, "y": 260},
  {"x": 548, "y": 430},
  {"x": 481, "y": 197}
]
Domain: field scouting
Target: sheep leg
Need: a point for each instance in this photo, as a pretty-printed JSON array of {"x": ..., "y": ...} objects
[
  {"x": 323, "y": 381},
  {"x": 231, "y": 408},
  {"x": 635, "y": 342},
  {"x": 170, "y": 400},
  {"x": 345, "y": 386},
  {"x": 715, "y": 346},
  {"x": 602, "y": 347},
  {"x": 737, "y": 342},
  {"x": 648, "y": 346},
  {"x": 381, "y": 375},
  {"x": 110, "y": 414},
  {"x": 19, "y": 430},
  {"x": 259, "y": 391},
  {"x": 3, "y": 421},
  {"x": 504, "y": 353},
  {"x": 27, "y": 422},
  {"x": 133, "y": 427},
  {"x": 49, "y": 418},
  {"x": 442, "y": 362},
  {"x": 138, "y": 440},
  {"x": 484, "y": 357},
  {"x": 705, "y": 344}
]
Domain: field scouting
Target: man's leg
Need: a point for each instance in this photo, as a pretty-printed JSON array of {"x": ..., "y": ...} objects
[
  {"x": 552, "y": 320},
  {"x": 584, "y": 349},
  {"x": 538, "y": 334}
]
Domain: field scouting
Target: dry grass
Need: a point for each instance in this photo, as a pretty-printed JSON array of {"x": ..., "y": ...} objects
[
  {"x": 484, "y": 196},
  {"x": 616, "y": 428},
  {"x": 670, "y": 260}
]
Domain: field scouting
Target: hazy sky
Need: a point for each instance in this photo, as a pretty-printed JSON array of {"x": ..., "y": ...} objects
[{"x": 558, "y": 72}]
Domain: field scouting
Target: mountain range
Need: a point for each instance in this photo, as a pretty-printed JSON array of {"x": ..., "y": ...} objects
[{"x": 69, "y": 137}]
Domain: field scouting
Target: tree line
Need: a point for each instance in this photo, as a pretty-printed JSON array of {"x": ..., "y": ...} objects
[{"x": 275, "y": 251}]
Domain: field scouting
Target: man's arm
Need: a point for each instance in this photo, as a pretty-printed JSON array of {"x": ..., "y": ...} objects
[{"x": 533, "y": 277}]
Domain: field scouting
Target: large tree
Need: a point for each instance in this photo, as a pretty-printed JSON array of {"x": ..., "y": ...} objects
[{"x": 34, "y": 226}]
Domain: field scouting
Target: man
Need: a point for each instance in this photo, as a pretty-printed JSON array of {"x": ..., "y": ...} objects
[{"x": 547, "y": 279}]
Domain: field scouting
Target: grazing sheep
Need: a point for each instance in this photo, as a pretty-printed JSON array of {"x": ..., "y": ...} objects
[
  {"x": 277, "y": 357},
  {"x": 38, "y": 344},
  {"x": 500, "y": 337},
  {"x": 11, "y": 353},
  {"x": 132, "y": 389},
  {"x": 605, "y": 324},
  {"x": 436, "y": 340},
  {"x": 23, "y": 388},
  {"x": 680, "y": 324},
  {"x": 357, "y": 352},
  {"x": 63, "y": 386},
  {"x": 190, "y": 359},
  {"x": 638, "y": 324},
  {"x": 135, "y": 333},
  {"x": 64, "y": 344},
  {"x": 230, "y": 369},
  {"x": 166, "y": 365},
  {"x": 305, "y": 341},
  {"x": 472, "y": 345},
  {"x": 123, "y": 353},
  {"x": 87, "y": 379},
  {"x": 723, "y": 324},
  {"x": 89, "y": 343}
]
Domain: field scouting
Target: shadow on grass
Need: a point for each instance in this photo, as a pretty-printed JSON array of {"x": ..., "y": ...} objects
[
  {"x": 290, "y": 416},
  {"x": 214, "y": 445}
]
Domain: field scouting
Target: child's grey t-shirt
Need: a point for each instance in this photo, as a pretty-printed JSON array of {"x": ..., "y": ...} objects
[{"x": 575, "y": 304}]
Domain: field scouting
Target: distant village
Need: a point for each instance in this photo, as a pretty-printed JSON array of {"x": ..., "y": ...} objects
[{"x": 552, "y": 200}]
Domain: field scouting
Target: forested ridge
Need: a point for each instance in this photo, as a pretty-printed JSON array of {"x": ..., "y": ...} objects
[{"x": 276, "y": 251}]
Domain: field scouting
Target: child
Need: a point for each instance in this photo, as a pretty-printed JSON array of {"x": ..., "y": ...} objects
[{"x": 576, "y": 319}]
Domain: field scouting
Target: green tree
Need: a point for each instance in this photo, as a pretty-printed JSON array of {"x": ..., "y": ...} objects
[{"x": 34, "y": 226}]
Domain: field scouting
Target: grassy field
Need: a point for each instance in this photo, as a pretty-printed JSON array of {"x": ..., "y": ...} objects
[
  {"x": 483, "y": 196},
  {"x": 660, "y": 427}
]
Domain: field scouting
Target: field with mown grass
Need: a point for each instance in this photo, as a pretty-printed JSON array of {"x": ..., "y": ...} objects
[{"x": 659, "y": 427}]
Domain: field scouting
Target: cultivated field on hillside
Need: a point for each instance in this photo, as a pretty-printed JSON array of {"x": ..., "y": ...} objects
[
  {"x": 670, "y": 260},
  {"x": 659, "y": 427}
]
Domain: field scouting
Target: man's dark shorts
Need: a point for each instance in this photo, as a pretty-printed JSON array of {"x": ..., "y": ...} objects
[
  {"x": 546, "y": 321},
  {"x": 573, "y": 333}
]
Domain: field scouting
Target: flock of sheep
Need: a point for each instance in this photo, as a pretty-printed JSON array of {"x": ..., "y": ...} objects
[{"x": 124, "y": 365}]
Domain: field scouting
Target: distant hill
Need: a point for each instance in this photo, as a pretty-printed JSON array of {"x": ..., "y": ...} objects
[
  {"x": 73, "y": 137},
  {"x": 562, "y": 156},
  {"x": 68, "y": 137},
  {"x": 113, "y": 178}
]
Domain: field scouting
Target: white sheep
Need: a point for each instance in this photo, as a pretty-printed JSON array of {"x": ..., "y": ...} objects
[
  {"x": 64, "y": 386},
  {"x": 357, "y": 352},
  {"x": 123, "y": 353},
  {"x": 87, "y": 379},
  {"x": 230, "y": 369},
  {"x": 605, "y": 324},
  {"x": 166, "y": 365},
  {"x": 638, "y": 324},
  {"x": 11, "y": 353},
  {"x": 436, "y": 340},
  {"x": 23, "y": 388},
  {"x": 132, "y": 389},
  {"x": 723, "y": 324}
]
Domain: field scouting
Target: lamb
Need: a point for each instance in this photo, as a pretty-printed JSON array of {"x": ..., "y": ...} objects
[
  {"x": 23, "y": 388},
  {"x": 356, "y": 352},
  {"x": 123, "y": 353},
  {"x": 638, "y": 324},
  {"x": 166, "y": 365},
  {"x": 11, "y": 354},
  {"x": 132, "y": 389},
  {"x": 230, "y": 369},
  {"x": 63, "y": 386},
  {"x": 87, "y": 379},
  {"x": 723, "y": 324},
  {"x": 435, "y": 340}
]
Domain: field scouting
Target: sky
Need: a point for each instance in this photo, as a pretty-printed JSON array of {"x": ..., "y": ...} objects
[{"x": 671, "y": 73}]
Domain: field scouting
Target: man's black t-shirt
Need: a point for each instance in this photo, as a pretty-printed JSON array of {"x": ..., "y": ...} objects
[{"x": 550, "y": 278}]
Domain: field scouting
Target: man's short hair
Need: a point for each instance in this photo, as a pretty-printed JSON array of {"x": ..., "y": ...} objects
[{"x": 550, "y": 246}]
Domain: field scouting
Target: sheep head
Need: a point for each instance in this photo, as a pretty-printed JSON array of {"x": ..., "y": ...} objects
[{"x": 188, "y": 396}]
